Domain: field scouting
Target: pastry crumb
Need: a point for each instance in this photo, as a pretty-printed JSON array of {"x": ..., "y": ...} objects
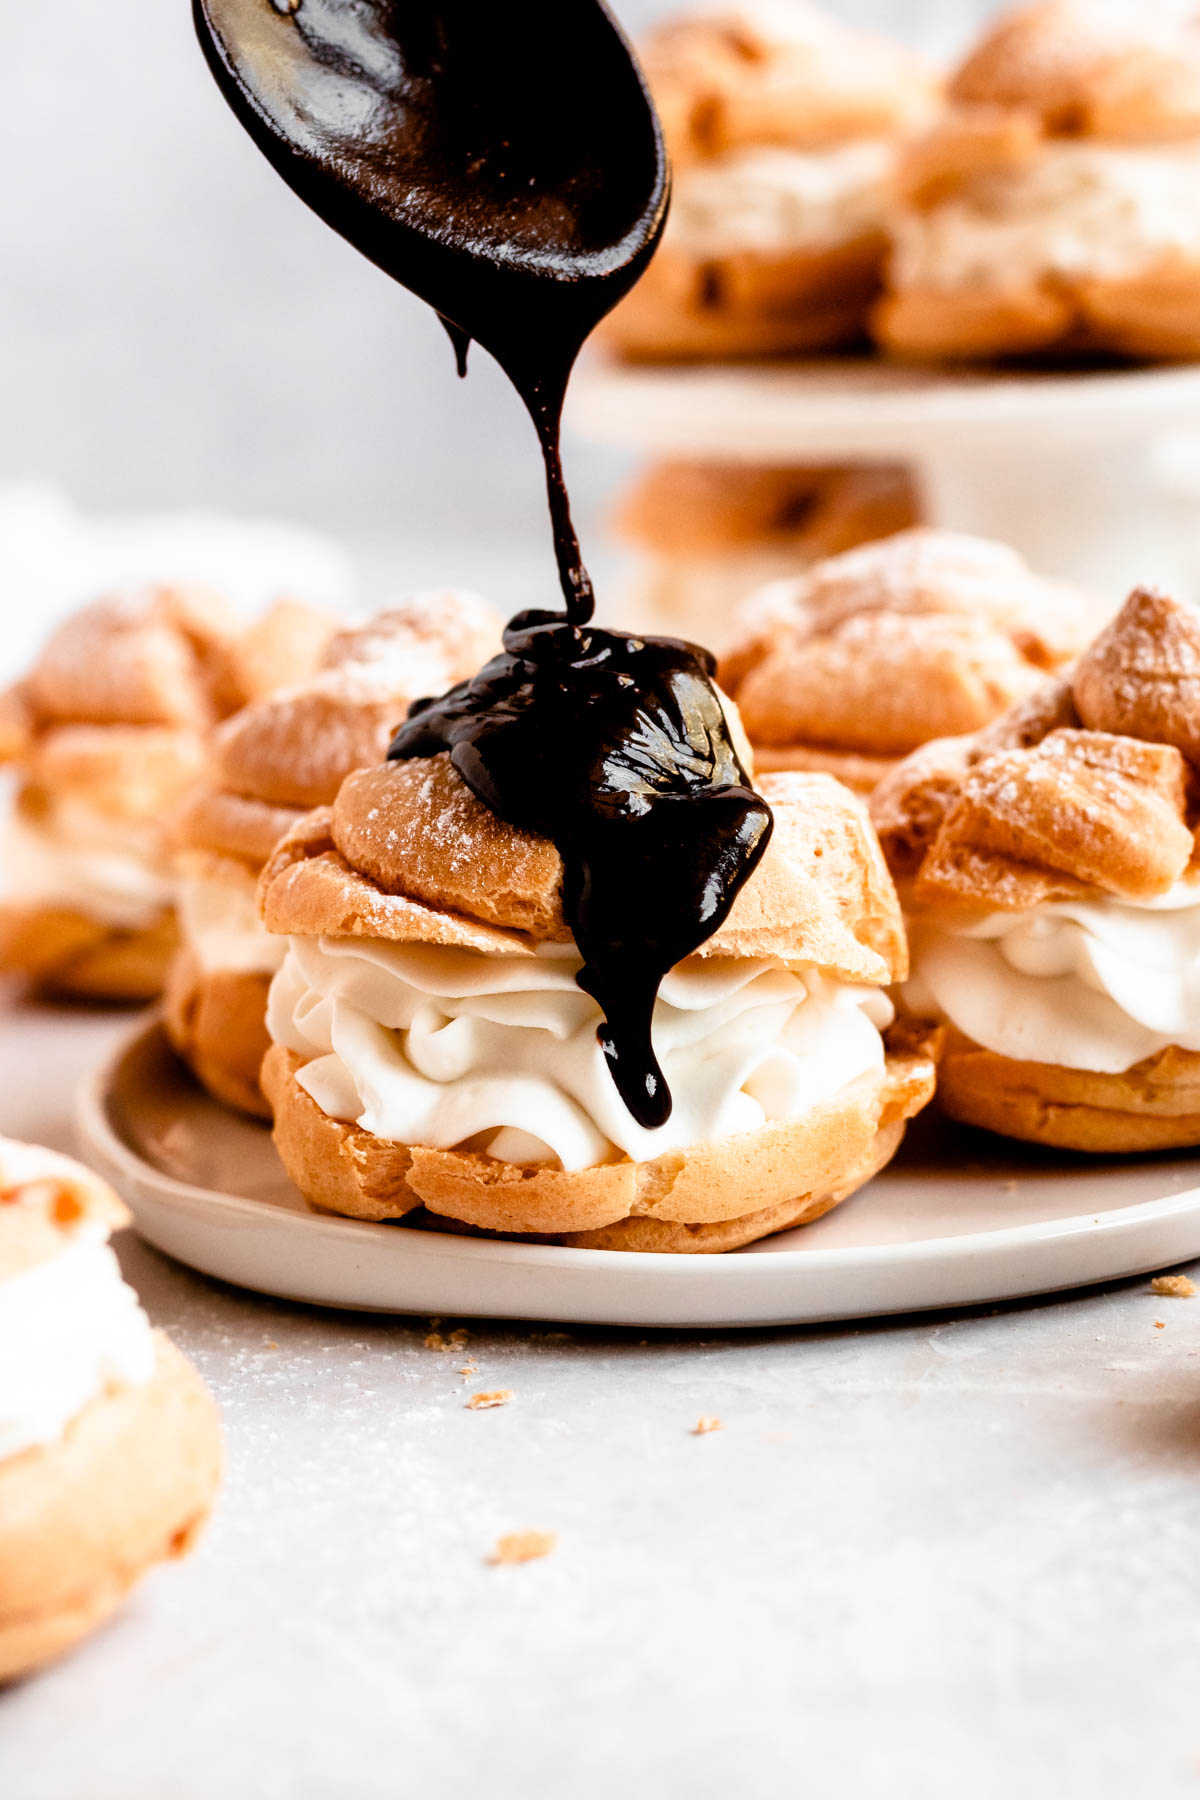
[
  {"x": 706, "y": 1423},
  {"x": 270, "y": 1344},
  {"x": 1179, "y": 1287},
  {"x": 492, "y": 1397},
  {"x": 469, "y": 1368},
  {"x": 522, "y": 1547},
  {"x": 1160, "y": 1324},
  {"x": 454, "y": 1340}
]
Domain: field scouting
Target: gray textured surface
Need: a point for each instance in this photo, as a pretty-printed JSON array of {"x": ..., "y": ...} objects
[{"x": 928, "y": 1558}]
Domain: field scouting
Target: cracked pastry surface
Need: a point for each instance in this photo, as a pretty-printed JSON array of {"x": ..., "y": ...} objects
[
  {"x": 782, "y": 123},
  {"x": 866, "y": 656},
  {"x": 282, "y": 753},
  {"x": 1049, "y": 868},
  {"x": 109, "y": 1442},
  {"x": 1056, "y": 204},
  {"x": 710, "y": 534},
  {"x": 431, "y": 1048}
]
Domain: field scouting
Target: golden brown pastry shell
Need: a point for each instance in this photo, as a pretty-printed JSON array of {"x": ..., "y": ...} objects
[
  {"x": 1152, "y": 313},
  {"x": 711, "y": 1196},
  {"x": 216, "y": 1020},
  {"x": 1153, "y": 1106},
  {"x": 129, "y": 1484},
  {"x": 67, "y": 955},
  {"x": 752, "y": 303}
]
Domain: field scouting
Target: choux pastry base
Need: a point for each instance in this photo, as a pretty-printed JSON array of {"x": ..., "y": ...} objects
[
  {"x": 217, "y": 1023},
  {"x": 1153, "y": 314},
  {"x": 129, "y": 1484},
  {"x": 1153, "y": 1106},
  {"x": 64, "y": 954},
  {"x": 688, "y": 308},
  {"x": 711, "y": 1197}
]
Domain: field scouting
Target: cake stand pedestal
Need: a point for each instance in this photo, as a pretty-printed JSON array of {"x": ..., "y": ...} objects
[{"x": 1092, "y": 474}]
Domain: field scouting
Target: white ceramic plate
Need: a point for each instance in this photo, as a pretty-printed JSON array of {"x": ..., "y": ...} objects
[{"x": 960, "y": 1218}]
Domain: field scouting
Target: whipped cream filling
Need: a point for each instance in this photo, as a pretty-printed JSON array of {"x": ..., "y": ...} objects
[
  {"x": 219, "y": 923},
  {"x": 1082, "y": 209},
  {"x": 422, "y": 1044},
  {"x": 70, "y": 1329},
  {"x": 1086, "y": 984},
  {"x": 777, "y": 200},
  {"x": 113, "y": 870}
]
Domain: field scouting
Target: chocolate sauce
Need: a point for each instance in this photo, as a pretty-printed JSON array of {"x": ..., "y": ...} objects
[
  {"x": 615, "y": 748},
  {"x": 502, "y": 161},
  {"x": 505, "y": 163}
]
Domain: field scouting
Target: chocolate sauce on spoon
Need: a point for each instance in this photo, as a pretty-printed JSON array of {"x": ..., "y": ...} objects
[
  {"x": 504, "y": 162},
  {"x": 500, "y": 158}
]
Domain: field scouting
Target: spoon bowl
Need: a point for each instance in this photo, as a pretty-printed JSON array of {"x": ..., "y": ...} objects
[{"x": 502, "y": 161}]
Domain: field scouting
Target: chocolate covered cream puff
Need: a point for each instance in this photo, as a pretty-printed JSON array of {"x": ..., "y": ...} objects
[
  {"x": 782, "y": 123},
  {"x": 277, "y": 757},
  {"x": 106, "y": 734},
  {"x": 1049, "y": 867},
  {"x": 109, "y": 1442},
  {"x": 1057, "y": 204},
  {"x": 709, "y": 534},
  {"x": 433, "y": 1049},
  {"x": 870, "y": 654}
]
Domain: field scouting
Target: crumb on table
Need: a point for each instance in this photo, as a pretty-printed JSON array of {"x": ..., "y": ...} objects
[
  {"x": 1179, "y": 1287},
  {"x": 453, "y": 1340},
  {"x": 706, "y": 1423},
  {"x": 490, "y": 1397},
  {"x": 523, "y": 1546}
]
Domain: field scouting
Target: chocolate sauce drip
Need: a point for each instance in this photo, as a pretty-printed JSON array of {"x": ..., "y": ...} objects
[
  {"x": 616, "y": 748},
  {"x": 505, "y": 163},
  {"x": 502, "y": 161}
]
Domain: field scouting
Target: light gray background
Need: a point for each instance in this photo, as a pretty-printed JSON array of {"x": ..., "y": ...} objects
[
  {"x": 176, "y": 328},
  {"x": 928, "y": 1558}
]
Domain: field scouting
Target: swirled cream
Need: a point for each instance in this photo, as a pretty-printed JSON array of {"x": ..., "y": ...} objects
[
  {"x": 70, "y": 1329},
  {"x": 77, "y": 858},
  {"x": 1081, "y": 209},
  {"x": 421, "y": 1044},
  {"x": 775, "y": 200},
  {"x": 1085, "y": 984},
  {"x": 219, "y": 923}
]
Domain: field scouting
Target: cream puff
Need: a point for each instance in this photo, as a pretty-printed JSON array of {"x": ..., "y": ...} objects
[
  {"x": 707, "y": 535},
  {"x": 106, "y": 734},
  {"x": 110, "y": 1446},
  {"x": 278, "y": 756},
  {"x": 1049, "y": 866},
  {"x": 1057, "y": 204},
  {"x": 432, "y": 1048},
  {"x": 782, "y": 123},
  {"x": 923, "y": 635}
]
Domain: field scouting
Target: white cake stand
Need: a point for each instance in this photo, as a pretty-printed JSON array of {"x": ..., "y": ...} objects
[{"x": 1092, "y": 474}]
